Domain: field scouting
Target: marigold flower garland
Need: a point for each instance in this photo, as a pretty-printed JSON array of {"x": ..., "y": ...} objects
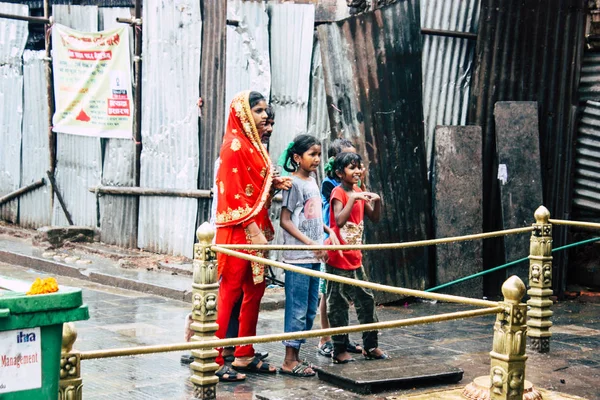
[{"x": 42, "y": 286}]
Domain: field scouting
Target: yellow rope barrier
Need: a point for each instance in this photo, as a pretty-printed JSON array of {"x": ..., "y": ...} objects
[
  {"x": 208, "y": 344},
  {"x": 580, "y": 224},
  {"x": 380, "y": 246},
  {"x": 354, "y": 282}
]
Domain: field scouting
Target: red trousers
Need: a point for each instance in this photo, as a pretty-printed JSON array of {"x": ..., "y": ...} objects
[{"x": 237, "y": 283}]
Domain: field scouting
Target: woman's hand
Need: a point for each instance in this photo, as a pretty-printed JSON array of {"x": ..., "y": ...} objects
[
  {"x": 282, "y": 182},
  {"x": 258, "y": 239}
]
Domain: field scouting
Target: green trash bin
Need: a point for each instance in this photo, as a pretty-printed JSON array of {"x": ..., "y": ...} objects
[{"x": 31, "y": 338}]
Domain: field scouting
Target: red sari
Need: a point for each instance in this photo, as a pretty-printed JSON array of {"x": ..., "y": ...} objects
[{"x": 244, "y": 181}]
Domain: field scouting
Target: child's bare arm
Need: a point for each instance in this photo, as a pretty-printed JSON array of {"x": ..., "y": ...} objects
[
  {"x": 340, "y": 212},
  {"x": 373, "y": 207}
]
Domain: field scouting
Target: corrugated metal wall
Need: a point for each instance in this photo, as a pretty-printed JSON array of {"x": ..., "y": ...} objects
[
  {"x": 292, "y": 27},
  {"x": 372, "y": 68},
  {"x": 530, "y": 51},
  {"x": 78, "y": 158},
  {"x": 170, "y": 154},
  {"x": 118, "y": 214},
  {"x": 35, "y": 207},
  {"x": 447, "y": 64},
  {"x": 13, "y": 35},
  {"x": 586, "y": 189}
]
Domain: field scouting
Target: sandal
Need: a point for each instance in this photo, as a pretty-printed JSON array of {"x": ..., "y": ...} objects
[
  {"x": 264, "y": 368},
  {"x": 299, "y": 371},
  {"x": 326, "y": 349},
  {"x": 369, "y": 355},
  {"x": 231, "y": 357},
  {"x": 232, "y": 375},
  {"x": 353, "y": 347},
  {"x": 338, "y": 361}
]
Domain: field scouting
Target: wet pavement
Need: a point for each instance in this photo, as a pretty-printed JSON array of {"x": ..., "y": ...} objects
[{"x": 123, "y": 318}]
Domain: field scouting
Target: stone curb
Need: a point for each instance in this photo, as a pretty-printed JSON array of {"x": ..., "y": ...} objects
[{"x": 271, "y": 301}]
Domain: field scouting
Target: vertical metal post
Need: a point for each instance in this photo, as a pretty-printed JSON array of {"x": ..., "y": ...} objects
[
  {"x": 507, "y": 373},
  {"x": 49, "y": 97},
  {"x": 540, "y": 282},
  {"x": 204, "y": 314},
  {"x": 70, "y": 384}
]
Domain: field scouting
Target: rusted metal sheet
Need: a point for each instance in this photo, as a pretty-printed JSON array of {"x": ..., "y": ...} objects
[
  {"x": 118, "y": 214},
  {"x": 78, "y": 158},
  {"x": 530, "y": 51},
  {"x": 170, "y": 79},
  {"x": 212, "y": 88},
  {"x": 35, "y": 206},
  {"x": 372, "y": 68},
  {"x": 586, "y": 188},
  {"x": 457, "y": 190},
  {"x": 447, "y": 63},
  {"x": 292, "y": 27}
]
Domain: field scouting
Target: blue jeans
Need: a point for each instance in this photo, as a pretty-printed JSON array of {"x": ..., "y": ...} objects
[{"x": 301, "y": 302}]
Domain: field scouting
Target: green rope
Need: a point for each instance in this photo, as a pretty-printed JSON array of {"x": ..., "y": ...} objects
[{"x": 488, "y": 271}]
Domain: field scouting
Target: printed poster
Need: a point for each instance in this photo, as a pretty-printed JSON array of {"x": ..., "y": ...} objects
[
  {"x": 92, "y": 82},
  {"x": 20, "y": 360}
]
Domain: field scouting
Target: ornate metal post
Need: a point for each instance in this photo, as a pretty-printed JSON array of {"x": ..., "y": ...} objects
[
  {"x": 507, "y": 373},
  {"x": 540, "y": 282},
  {"x": 204, "y": 314},
  {"x": 70, "y": 384}
]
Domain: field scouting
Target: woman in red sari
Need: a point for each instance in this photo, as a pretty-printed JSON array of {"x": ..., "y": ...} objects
[{"x": 244, "y": 181}]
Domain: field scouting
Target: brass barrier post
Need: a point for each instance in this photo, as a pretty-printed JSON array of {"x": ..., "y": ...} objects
[
  {"x": 204, "y": 314},
  {"x": 507, "y": 373},
  {"x": 540, "y": 282},
  {"x": 70, "y": 384}
]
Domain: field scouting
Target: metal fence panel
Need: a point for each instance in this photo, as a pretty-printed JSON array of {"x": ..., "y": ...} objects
[
  {"x": 586, "y": 193},
  {"x": 35, "y": 206},
  {"x": 248, "y": 61},
  {"x": 13, "y": 35},
  {"x": 292, "y": 27},
  {"x": 118, "y": 214},
  {"x": 78, "y": 158},
  {"x": 447, "y": 64},
  {"x": 170, "y": 79}
]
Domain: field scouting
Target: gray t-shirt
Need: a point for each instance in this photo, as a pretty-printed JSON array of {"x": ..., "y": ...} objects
[{"x": 303, "y": 201}]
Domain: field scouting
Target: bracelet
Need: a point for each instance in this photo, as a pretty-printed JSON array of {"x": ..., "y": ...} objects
[{"x": 256, "y": 234}]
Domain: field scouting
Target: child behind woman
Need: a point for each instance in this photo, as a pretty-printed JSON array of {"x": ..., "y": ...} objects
[
  {"x": 349, "y": 204},
  {"x": 302, "y": 223},
  {"x": 339, "y": 145}
]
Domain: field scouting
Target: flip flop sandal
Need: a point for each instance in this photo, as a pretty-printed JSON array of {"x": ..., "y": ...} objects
[
  {"x": 336, "y": 361},
  {"x": 262, "y": 356},
  {"x": 229, "y": 358},
  {"x": 326, "y": 349},
  {"x": 353, "y": 347},
  {"x": 232, "y": 375},
  {"x": 253, "y": 367},
  {"x": 368, "y": 354},
  {"x": 298, "y": 371}
]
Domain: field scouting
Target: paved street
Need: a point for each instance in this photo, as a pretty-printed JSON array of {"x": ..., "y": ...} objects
[{"x": 121, "y": 318}]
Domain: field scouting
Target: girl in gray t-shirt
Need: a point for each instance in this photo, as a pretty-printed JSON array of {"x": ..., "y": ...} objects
[{"x": 302, "y": 223}]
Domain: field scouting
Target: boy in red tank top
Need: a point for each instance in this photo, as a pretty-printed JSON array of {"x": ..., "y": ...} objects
[{"x": 349, "y": 204}]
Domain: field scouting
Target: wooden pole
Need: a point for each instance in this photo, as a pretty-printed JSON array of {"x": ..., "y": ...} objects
[
  {"x": 50, "y": 98},
  {"x": 23, "y": 190},
  {"x": 137, "y": 191},
  {"x": 59, "y": 197}
]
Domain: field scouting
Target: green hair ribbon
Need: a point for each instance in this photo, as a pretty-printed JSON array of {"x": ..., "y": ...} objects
[
  {"x": 283, "y": 158},
  {"x": 329, "y": 165}
]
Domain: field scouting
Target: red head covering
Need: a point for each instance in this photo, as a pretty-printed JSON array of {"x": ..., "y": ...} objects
[{"x": 245, "y": 175}]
